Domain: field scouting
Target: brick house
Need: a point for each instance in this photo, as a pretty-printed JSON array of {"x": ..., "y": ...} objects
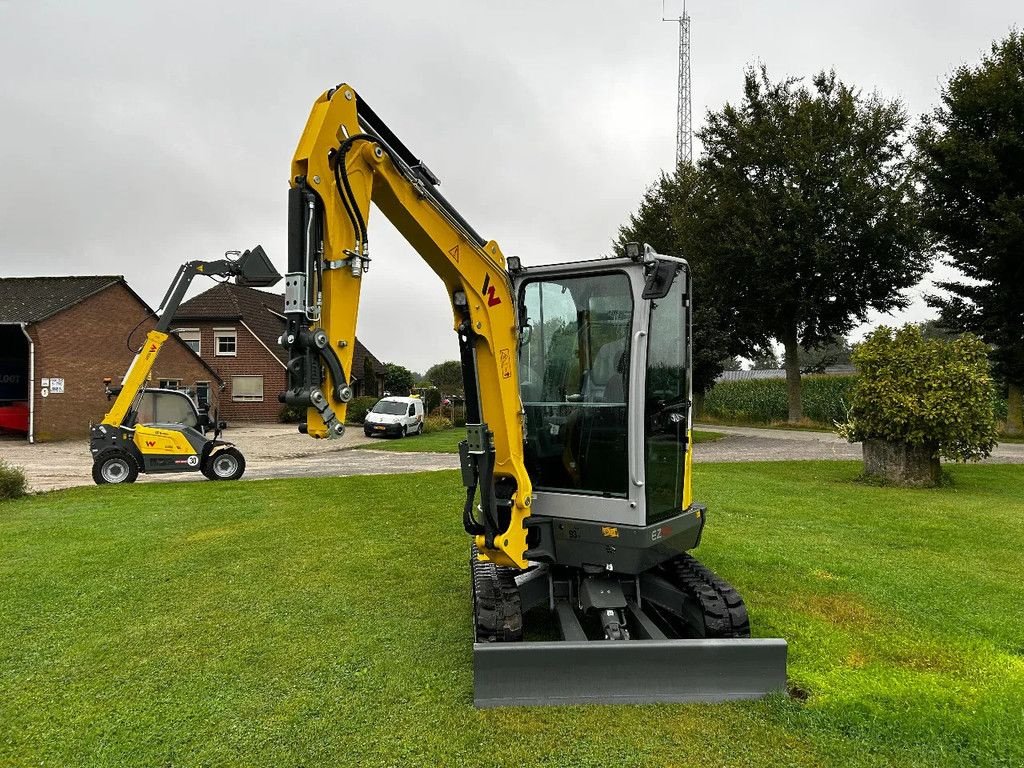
[
  {"x": 233, "y": 329},
  {"x": 61, "y": 336}
]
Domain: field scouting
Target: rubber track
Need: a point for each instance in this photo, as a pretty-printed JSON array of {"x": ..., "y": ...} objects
[
  {"x": 497, "y": 609},
  {"x": 725, "y": 614}
]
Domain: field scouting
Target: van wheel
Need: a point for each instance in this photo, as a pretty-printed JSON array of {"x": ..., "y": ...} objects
[
  {"x": 228, "y": 464},
  {"x": 114, "y": 467},
  {"x": 405, "y": 430}
]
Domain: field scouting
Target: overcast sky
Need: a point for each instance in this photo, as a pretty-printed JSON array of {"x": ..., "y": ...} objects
[{"x": 139, "y": 135}]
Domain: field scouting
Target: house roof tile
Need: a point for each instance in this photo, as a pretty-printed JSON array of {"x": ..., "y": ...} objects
[{"x": 31, "y": 299}]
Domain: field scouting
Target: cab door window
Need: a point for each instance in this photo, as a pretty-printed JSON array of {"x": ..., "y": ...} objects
[{"x": 574, "y": 381}]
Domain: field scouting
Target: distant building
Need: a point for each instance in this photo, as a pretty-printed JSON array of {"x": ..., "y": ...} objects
[
  {"x": 61, "y": 336},
  {"x": 234, "y": 330}
]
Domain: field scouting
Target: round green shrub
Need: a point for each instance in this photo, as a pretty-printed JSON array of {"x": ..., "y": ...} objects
[
  {"x": 436, "y": 424},
  {"x": 923, "y": 392},
  {"x": 12, "y": 481}
]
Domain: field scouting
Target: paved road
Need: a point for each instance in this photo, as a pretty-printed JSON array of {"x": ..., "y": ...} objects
[
  {"x": 753, "y": 444},
  {"x": 277, "y": 450}
]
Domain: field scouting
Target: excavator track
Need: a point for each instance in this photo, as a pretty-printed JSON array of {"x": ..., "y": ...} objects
[
  {"x": 497, "y": 608},
  {"x": 724, "y": 613}
]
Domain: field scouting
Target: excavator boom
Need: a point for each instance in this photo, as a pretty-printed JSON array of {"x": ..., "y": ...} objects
[{"x": 346, "y": 158}]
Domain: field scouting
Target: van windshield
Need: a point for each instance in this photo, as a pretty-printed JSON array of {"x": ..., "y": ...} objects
[{"x": 389, "y": 407}]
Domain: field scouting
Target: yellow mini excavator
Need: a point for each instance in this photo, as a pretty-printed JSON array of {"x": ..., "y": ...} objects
[
  {"x": 161, "y": 430},
  {"x": 577, "y": 457}
]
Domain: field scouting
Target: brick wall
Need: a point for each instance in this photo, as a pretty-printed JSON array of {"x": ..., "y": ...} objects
[
  {"x": 86, "y": 343},
  {"x": 251, "y": 358}
]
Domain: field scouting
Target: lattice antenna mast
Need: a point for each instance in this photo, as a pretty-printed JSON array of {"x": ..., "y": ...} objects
[{"x": 684, "y": 113}]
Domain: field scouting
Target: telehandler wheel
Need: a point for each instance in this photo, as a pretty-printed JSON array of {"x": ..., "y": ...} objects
[
  {"x": 228, "y": 464},
  {"x": 113, "y": 467}
]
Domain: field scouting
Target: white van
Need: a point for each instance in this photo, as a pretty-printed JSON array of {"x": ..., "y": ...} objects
[{"x": 395, "y": 417}]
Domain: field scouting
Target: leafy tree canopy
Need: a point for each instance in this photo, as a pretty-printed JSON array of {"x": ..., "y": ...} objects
[
  {"x": 810, "y": 210},
  {"x": 971, "y": 157},
  {"x": 818, "y": 359},
  {"x": 447, "y": 377},
  {"x": 398, "y": 380}
]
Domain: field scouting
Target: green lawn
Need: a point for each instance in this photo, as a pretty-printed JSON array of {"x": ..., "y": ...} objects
[
  {"x": 326, "y": 623},
  {"x": 447, "y": 441}
]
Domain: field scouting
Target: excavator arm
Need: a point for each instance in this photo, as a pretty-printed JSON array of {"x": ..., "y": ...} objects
[{"x": 346, "y": 159}]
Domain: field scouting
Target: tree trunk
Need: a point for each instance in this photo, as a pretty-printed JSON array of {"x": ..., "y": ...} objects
[
  {"x": 698, "y": 405},
  {"x": 912, "y": 466},
  {"x": 792, "y": 365},
  {"x": 1015, "y": 411}
]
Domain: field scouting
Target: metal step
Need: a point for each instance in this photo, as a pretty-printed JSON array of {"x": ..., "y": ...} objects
[{"x": 626, "y": 672}]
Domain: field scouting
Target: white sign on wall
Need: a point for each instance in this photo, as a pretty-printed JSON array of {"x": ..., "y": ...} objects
[
  {"x": 56, "y": 386},
  {"x": 44, "y": 383}
]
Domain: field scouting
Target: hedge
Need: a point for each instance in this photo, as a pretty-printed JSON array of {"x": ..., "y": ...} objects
[{"x": 358, "y": 408}]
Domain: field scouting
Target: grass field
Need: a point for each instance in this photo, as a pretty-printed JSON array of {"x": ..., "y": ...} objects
[
  {"x": 326, "y": 622},
  {"x": 447, "y": 441}
]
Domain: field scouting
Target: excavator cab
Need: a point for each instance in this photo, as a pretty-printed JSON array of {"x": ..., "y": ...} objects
[{"x": 598, "y": 364}]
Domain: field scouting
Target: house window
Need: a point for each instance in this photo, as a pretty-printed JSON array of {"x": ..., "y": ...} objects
[
  {"x": 247, "y": 389},
  {"x": 190, "y": 336},
  {"x": 225, "y": 342},
  {"x": 169, "y": 383},
  {"x": 203, "y": 394}
]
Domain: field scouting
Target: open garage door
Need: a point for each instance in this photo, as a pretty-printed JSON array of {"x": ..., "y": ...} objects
[{"x": 15, "y": 377}]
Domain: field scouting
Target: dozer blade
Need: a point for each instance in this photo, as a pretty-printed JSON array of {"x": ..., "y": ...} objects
[{"x": 626, "y": 672}]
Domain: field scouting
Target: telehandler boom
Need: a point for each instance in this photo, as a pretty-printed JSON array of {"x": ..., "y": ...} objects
[
  {"x": 577, "y": 385},
  {"x": 160, "y": 430}
]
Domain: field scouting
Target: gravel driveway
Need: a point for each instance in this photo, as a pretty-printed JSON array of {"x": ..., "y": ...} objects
[
  {"x": 278, "y": 450},
  {"x": 270, "y": 450}
]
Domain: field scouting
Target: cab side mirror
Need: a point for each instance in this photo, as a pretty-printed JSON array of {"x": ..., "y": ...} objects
[{"x": 660, "y": 279}]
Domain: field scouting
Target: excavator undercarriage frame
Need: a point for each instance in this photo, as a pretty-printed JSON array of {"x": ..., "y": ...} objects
[{"x": 683, "y": 636}]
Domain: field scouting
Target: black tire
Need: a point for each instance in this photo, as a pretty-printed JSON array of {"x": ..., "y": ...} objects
[
  {"x": 114, "y": 467},
  {"x": 226, "y": 464},
  {"x": 405, "y": 431}
]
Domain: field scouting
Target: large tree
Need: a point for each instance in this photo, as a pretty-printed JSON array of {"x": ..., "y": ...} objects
[
  {"x": 812, "y": 212},
  {"x": 447, "y": 377},
  {"x": 971, "y": 154},
  {"x": 398, "y": 380}
]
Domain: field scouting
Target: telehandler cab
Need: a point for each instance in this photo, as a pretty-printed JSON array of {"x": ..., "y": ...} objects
[
  {"x": 161, "y": 430},
  {"x": 578, "y": 393}
]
